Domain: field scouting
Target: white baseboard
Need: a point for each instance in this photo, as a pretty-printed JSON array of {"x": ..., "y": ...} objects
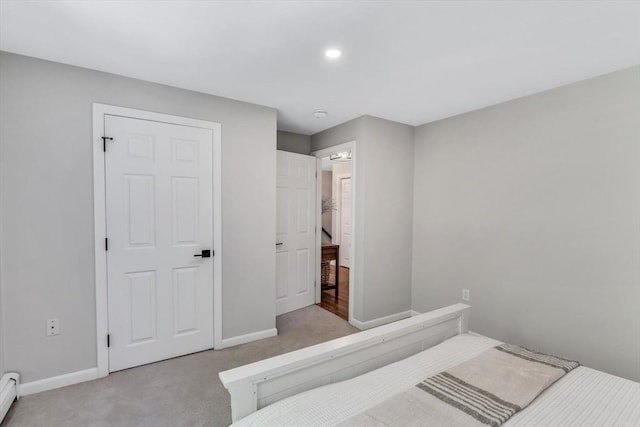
[
  {"x": 92, "y": 374},
  {"x": 381, "y": 320},
  {"x": 415, "y": 313},
  {"x": 57, "y": 382},
  {"x": 8, "y": 392},
  {"x": 243, "y": 339}
]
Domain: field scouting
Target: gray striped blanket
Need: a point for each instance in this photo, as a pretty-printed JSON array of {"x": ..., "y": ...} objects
[{"x": 486, "y": 390}]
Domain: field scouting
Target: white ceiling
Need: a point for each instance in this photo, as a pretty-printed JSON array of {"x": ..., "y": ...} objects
[{"x": 407, "y": 61}]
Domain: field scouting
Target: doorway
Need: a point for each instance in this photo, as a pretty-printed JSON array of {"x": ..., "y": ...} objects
[
  {"x": 157, "y": 228},
  {"x": 337, "y": 230}
]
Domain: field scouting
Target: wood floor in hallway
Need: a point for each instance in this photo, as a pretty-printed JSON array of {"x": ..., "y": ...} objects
[{"x": 338, "y": 306}]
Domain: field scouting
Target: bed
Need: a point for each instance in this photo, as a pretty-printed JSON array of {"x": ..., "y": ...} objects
[{"x": 332, "y": 382}]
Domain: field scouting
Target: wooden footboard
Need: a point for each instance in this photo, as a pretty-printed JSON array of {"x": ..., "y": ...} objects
[{"x": 261, "y": 383}]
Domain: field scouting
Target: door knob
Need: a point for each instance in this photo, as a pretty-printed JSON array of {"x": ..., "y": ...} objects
[
  {"x": 279, "y": 244},
  {"x": 206, "y": 253}
]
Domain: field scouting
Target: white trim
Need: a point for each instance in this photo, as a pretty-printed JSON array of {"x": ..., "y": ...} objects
[
  {"x": 9, "y": 384},
  {"x": 318, "y": 278},
  {"x": 415, "y": 313},
  {"x": 217, "y": 234},
  {"x": 350, "y": 145},
  {"x": 57, "y": 382},
  {"x": 243, "y": 339},
  {"x": 99, "y": 207},
  {"x": 337, "y": 213},
  {"x": 381, "y": 320},
  {"x": 100, "y": 232}
]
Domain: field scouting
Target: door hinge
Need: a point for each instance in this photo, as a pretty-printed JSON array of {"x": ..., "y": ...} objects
[
  {"x": 104, "y": 142},
  {"x": 106, "y": 244},
  {"x": 108, "y": 340}
]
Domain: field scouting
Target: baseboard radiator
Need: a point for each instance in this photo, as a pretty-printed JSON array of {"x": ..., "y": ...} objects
[{"x": 8, "y": 392}]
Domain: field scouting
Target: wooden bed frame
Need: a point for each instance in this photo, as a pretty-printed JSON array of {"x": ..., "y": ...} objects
[{"x": 262, "y": 383}]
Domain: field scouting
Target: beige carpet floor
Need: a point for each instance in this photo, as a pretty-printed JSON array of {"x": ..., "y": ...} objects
[{"x": 184, "y": 391}]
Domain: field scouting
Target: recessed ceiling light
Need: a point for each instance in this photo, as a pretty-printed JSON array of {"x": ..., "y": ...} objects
[
  {"x": 333, "y": 53},
  {"x": 320, "y": 114}
]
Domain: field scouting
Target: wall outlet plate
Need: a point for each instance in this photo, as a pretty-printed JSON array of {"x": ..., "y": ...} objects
[
  {"x": 465, "y": 295},
  {"x": 53, "y": 327}
]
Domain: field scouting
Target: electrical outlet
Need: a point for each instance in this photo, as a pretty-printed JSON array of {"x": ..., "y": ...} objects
[
  {"x": 465, "y": 295},
  {"x": 53, "y": 327}
]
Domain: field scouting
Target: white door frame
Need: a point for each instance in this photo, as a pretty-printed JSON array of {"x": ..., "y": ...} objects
[
  {"x": 337, "y": 213},
  {"x": 318, "y": 280},
  {"x": 325, "y": 152},
  {"x": 100, "y": 218}
]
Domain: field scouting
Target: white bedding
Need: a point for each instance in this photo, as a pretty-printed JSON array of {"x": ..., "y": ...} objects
[{"x": 584, "y": 397}]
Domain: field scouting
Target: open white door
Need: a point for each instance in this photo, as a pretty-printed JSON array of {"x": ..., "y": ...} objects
[
  {"x": 295, "y": 231},
  {"x": 159, "y": 221}
]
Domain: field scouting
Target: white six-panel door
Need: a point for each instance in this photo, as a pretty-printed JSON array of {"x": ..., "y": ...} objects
[
  {"x": 295, "y": 231},
  {"x": 345, "y": 222},
  {"x": 159, "y": 216}
]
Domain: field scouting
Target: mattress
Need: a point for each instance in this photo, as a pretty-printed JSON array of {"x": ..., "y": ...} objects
[{"x": 584, "y": 397}]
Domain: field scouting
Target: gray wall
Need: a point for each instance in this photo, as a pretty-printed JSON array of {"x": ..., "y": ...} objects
[
  {"x": 534, "y": 205},
  {"x": 47, "y": 201},
  {"x": 294, "y": 142},
  {"x": 384, "y": 212}
]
